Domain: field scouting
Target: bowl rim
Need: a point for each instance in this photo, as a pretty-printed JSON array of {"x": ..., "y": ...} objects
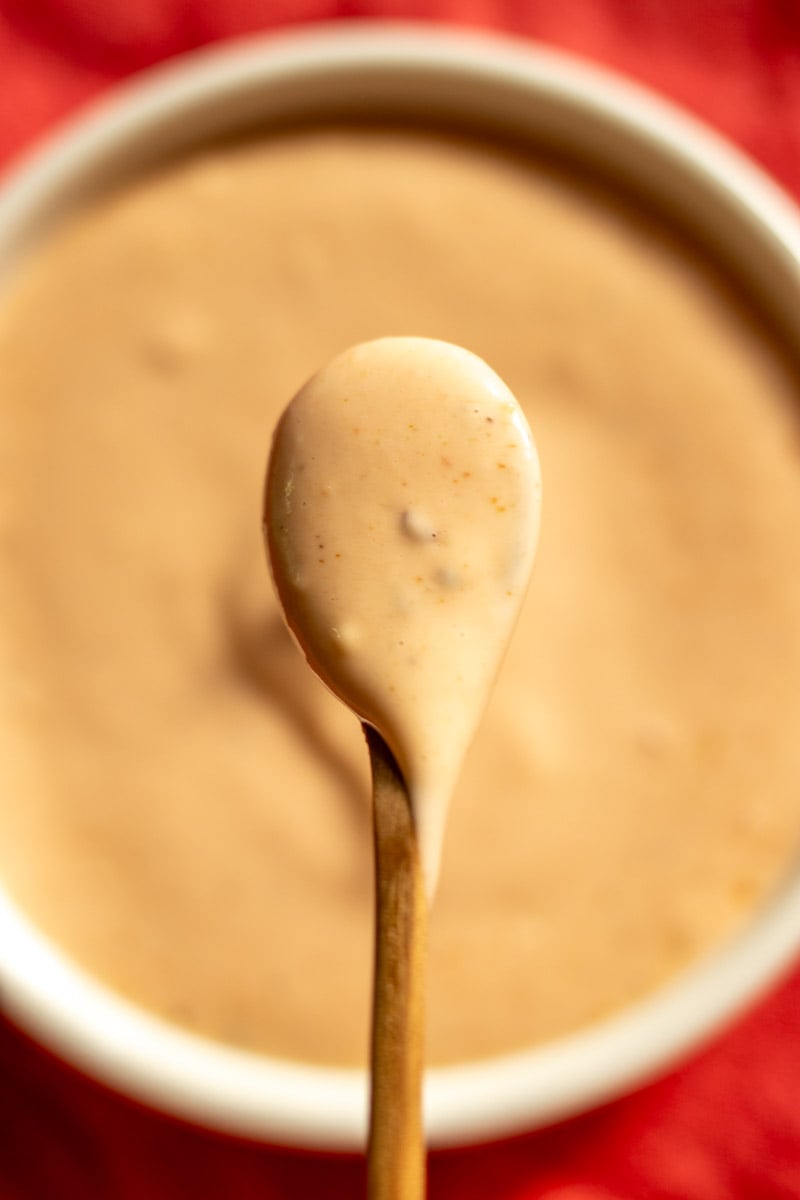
[{"x": 190, "y": 1077}]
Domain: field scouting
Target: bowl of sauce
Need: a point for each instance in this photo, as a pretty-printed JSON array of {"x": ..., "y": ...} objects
[{"x": 184, "y": 826}]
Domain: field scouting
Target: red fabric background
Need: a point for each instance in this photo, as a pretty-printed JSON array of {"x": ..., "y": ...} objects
[{"x": 727, "y": 1125}]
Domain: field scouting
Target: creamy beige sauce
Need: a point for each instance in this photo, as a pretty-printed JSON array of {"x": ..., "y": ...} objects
[
  {"x": 183, "y": 806},
  {"x": 401, "y": 516}
]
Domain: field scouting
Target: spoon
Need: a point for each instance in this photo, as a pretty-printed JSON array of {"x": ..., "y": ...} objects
[
  {"x": 401, "y": 517},
  {"x": 396, "y": 1144}
]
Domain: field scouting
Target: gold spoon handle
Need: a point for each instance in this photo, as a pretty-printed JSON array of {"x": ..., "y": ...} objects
[{"x": 396, "y": 1148}]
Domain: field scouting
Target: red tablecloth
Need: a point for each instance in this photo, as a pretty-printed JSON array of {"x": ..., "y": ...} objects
[{"x": 726, "y": 1126}]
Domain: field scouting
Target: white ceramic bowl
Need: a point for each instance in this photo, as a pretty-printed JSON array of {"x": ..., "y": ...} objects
[{"x": 489, "y": 84}]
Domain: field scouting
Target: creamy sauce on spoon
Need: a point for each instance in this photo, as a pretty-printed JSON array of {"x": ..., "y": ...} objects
[{"x": 401, "y": 515}]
